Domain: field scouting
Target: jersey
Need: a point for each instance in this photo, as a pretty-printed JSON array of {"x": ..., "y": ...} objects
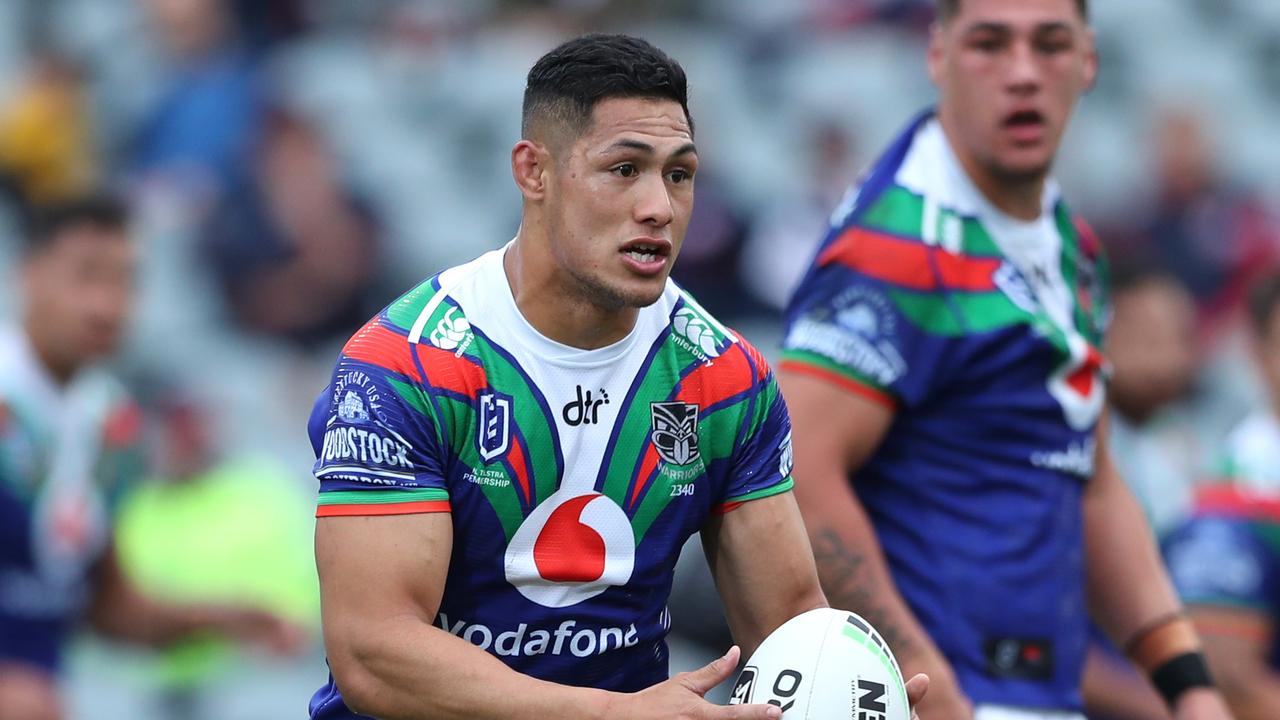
[
  {"x": 574, "y": 477},
  {"x": 66, "y": 453},
  {"x": 1228, "y": 552},
  {"x": 984, "y": 335}
]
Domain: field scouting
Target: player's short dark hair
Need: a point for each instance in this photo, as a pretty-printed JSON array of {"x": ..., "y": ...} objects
[
  {"x": 947, "y": 9},
  {"x": 1264, "y": 301},
  {"x": 566, "y": 84},
  {"x": 46, "y": 223}
]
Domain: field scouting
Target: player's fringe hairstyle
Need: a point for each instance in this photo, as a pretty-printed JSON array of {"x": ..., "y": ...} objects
[
  {"x": 947, "y": 9},
  {"x": 566, "y": 84},
  {"x": 45, "y": 223},
  {"x": 1264, "y": 301}
]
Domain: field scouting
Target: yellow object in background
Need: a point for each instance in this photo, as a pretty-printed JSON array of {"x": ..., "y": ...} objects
[{"x": 240, "y": 533}]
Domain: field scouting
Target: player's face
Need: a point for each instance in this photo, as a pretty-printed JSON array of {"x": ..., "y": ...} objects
[
  {"x": 619, "y": 200},
  {"x": 1009, "y": 73},
  {"x": 78, "y": 291}
]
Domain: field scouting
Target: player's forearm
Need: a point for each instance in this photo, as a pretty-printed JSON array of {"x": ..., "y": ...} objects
[
  {"x": 1249, "y": 685},
  {"x": 854, "y": 575},
  {"x": 405, "y": 669},
  {"x": 1128, "y": 586}
]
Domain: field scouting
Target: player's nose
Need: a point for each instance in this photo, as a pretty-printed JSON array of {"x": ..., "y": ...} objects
[
  {"x": 1024, "y": 71},
  {"x": 653, "y": 204}
]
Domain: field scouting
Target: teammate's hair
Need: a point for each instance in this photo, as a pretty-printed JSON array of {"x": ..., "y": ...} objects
[
  {"x": 1264, "y": 301},
  {"x": 947, "y": 9},
  {"x": 565, "y": 85},
  {"x": 46, "y": 223}
]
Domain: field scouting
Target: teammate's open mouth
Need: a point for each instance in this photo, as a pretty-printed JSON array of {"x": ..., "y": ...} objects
[{"x": 1024, "y": 118}]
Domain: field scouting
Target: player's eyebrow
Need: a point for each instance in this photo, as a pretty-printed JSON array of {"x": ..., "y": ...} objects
[{"x": 646, "y": 148}]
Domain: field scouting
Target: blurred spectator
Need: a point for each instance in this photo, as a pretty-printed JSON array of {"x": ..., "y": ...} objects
[
  {"x": 785, "y": 237},
  {"x": 46, "y": 151},
  {"x": 294, "y": 253},
  {"x": 712, "y": 250},
  {"x": 1226, "y": 559},
  {"x": 1152, "y": 348},
  {"x": 210, "y": 530},
  {"x": 1212, "y": 235},
  {"x": 202, "y": 128}
]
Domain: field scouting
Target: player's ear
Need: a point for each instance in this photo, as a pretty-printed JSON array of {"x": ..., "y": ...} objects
[
  {"x": 1090, "y": 60},
  {"x": 529, "y": 164},
  {"x": 934, "y": 55}
]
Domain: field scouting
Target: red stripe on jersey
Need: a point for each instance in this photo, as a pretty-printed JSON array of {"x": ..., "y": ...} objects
[
  {"x": 1237, "y": 502},
  {"x": 906, "y": 263},
  {"x": 377, "y": 345},
  {"x": 407, "y": 508},
  {"x": 520, "y": 465},
  {"x": 718, "y": 380},
  {"x": 647, "y": 467},
  {"x": 448, "y": 371},
  {"x": 871, "y": 393}
]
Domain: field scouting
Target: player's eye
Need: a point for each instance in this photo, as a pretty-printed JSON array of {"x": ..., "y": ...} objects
[
  {"x": 1052, "y": 47},
  {"x": 625, "y": 170},
  {"x": 679, "y": 175}
]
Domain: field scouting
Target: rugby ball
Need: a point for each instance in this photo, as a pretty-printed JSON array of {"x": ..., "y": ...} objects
[{"x": 825, "y": 664}]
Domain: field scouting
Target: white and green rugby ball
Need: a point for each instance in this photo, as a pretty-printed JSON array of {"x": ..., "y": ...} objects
[{"x": 825, "y": 664}]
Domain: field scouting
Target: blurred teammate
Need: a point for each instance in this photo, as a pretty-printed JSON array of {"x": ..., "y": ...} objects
[
  {"x": 1225, "y": 561},
  {"x": 66, "y": 448},
  {"x": 942, "y": 359},
  {"x": 512, "y": 454}
]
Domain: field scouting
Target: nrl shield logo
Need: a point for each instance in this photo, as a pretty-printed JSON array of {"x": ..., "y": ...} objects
[
  {"x": 675, "y": 431},
  {"x": 493, "y": 426}
]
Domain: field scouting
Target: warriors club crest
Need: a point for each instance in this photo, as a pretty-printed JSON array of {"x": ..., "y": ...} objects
[{"x": 675, "y": 431}]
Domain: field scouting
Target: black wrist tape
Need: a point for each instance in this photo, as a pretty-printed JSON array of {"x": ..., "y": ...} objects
[{"x": 1180, "y": 674}]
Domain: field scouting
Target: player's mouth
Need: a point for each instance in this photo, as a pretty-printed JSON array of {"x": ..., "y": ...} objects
[
  {"x": 646, "y": 256},
  {"x": 1025, "y": 126}
]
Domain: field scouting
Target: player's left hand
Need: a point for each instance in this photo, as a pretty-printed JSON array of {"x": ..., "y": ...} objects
[
  {"x": 259, "y": 628},
  {"x": 917, "y": 686},
  {"x": 1201, "y": 704}
]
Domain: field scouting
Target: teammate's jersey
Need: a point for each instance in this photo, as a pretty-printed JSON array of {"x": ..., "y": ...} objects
[
  {"x": 1228, "y": 553},
  {"x": 983, "y": 334},
  {"x": 573, "y": 477},
  {"x": 66, "y": 451}
]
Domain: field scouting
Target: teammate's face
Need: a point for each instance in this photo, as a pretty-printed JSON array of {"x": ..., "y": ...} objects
[
  {"x": 619, "y": 198},
  {"x": 78, "y": 291},
  {"x": 1009, "y": 73}
]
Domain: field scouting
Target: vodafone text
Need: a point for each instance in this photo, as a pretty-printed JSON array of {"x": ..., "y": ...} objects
[{"x": 563, "y": 639}]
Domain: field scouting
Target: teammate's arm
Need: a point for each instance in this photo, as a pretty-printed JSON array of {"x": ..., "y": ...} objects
[
  {"x": 834, "y": 433},
  {"x": 381, "y": 580},
  {"x": 118, "y": 610},
  {"x": 1238, "y": 642},
  {"x": 1129, "y": 592}
]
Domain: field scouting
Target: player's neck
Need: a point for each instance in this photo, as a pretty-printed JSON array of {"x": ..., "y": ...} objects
[
  {"x": 557, "y": 312},
  {"x": 42, "y": 347},
  {"x": 1018, "y": 197}
]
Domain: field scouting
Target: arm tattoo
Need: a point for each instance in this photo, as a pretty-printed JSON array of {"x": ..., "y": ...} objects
[{"x": 845, "y": 579}]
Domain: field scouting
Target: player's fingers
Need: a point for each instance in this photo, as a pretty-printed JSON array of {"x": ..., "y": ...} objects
[
  {"x": 916, "y": 689},
  {"x": 714, "y": 673},
  {"x": 744, "y": 712}
]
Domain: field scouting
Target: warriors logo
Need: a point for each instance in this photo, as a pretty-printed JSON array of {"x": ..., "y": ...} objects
[{"x": 675, "y": 431}]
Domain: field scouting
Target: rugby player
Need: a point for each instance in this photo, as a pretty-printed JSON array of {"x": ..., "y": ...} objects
[
  {"x": 1225, "y": 560},
  {"x": 512, "y": 454},
  {"x": 67, "y": 448},
  {"x": 942, "y": 363}
]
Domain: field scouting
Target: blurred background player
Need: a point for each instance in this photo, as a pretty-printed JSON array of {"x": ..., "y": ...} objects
[
  {"x": 67, "y": 448},
  {"x": 1225, "y": 560},
  {"x": 960, "y": 307}
]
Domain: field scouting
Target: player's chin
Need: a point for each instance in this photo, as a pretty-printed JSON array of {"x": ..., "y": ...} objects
[
  {"x": 642, "y": 292},
  {"x": 1025, "y": 164}
]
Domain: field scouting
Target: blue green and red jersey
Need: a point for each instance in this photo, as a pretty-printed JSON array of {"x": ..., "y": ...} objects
[
  {"x": 983, "y": 334},
  {"x": 573, "y": 477}
]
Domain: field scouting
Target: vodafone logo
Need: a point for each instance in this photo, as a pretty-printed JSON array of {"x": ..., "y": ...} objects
[{"x": 574, "y": 546}]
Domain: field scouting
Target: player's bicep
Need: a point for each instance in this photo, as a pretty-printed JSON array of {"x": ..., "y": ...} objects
[
  {"x": 376, "y": 568},
  {"x": 833, "y": 432},
  {"x": 761, "y": 590}
]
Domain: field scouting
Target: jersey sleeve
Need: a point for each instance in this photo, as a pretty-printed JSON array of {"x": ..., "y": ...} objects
[
  {"x": 868, "y": 318},
  {"x": 1220, "y": 561},
  {"x": 377, "y": 439},
  {"x": 761, "y": 462}
]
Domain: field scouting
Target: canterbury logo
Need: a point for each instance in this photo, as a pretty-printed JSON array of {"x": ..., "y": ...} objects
[
  {"x": 688, "y": 325},
  {"x": 451, "y": 331}
]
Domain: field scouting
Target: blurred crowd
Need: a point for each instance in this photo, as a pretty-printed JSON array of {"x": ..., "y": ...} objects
[{"x": 293, "y": 165}]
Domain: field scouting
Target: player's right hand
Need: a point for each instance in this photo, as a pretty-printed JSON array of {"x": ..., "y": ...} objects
[{"x": 681, "y": 697}]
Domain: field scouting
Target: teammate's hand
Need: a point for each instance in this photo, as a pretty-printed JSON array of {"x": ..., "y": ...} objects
[
  {"x": 945, "y": 699},
  {"x": 1201, "y": 704},
  {"x": 259, "y": 628},
  {"x": 681, "y": 697}
]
